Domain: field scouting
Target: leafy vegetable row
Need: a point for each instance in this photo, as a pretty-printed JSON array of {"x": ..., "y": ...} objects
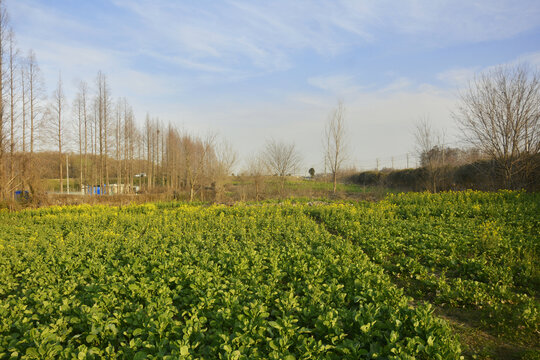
[{"x": 176, "y": 281}]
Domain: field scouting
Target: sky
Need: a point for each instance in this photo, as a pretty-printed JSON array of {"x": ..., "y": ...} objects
[{"x": 252, "y": 71}]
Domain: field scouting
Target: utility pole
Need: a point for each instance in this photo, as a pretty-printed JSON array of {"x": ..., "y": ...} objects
[
  {"x": 377, "y": 164},
  {"x": 407, "y": 160}
]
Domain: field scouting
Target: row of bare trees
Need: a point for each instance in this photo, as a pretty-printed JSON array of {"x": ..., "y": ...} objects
[
  {"x": 195, "y": 164},
  {"x": 20, "y": 107},
  {"x": 112, "y": 149},
  {"x": 95, "y": 136}
]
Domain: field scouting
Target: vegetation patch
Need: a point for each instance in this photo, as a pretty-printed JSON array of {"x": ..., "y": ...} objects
[{"x": 274, "y": 281}]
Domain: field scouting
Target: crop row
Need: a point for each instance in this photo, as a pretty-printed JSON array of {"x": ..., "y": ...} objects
[
  {"x": 467, "y": 250},
  {"x": 176, "y": 281}
]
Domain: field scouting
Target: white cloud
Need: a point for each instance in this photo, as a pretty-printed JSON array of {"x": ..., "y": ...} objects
[
  {"x": 347, "y": 86},
  {"x": 398, "y": 84},
  {"x": 340, "y": 85},
  {"x": 460, "y": 77},
  {"x": 532, "y": 59},
  {"x": 457, "y": 77}
]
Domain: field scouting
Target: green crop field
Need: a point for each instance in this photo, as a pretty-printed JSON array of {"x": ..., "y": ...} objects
[{"x": 414, "y": 276}]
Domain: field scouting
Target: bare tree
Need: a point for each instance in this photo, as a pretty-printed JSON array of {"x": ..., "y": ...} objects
[
  {"x": 80, "y": 110},
  {"x": 174, "y": 159},
  {"x": 256, "y": 168},
  {"x": 225, "y": 159},
  {"x": 103, "y": 107},
  {"x": 281, "y": 159},
  {"x": 148, "y": 138},
  {"x": 57, "y": 122},
  {"x": 35, "y": 89},
  {"x": 427, "y": 139},
  {"x": 33, "y": 93},
  {"x": 12, "y": 58},
  {"x": 83, "y": 90},
  {"x": 335, "y": 141},
  {"x": 130, "y": 140},
  {"x": 499, "y": 113},
  {"x": 120, "y": 108},
  {"x": 206, "y": 157},
  {"x": 24, "y": 105},
  {"x": 32, "y": 96},
  {"x": 191, "y": 150},
  {"x": 4, "y": 30},
  {"x": 93, "y": 129}
]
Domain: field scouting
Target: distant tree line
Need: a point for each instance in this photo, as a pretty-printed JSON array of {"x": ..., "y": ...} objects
[
  {"x": 99, "y": 132},
  {"x": 499, "y": 115},
  {"x": 447, "y": 168}
]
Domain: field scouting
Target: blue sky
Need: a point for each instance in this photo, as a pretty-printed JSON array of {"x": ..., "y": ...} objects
[{"x": 255, "y": 70}]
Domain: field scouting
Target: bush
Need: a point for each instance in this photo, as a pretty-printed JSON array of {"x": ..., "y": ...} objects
[{"x": 478, "y": 175}]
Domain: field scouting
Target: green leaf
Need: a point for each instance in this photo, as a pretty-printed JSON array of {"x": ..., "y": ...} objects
[
  {"x": 275, "y": 325},
  {"x": 32, "y": 352},
  {"x": 90, "y": 338},
  {"x": 184, "y": 350},
  {"x": 140, "y": 355}
]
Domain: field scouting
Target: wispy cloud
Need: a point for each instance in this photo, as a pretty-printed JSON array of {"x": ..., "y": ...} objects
[
  {"x": 457, "y": 77},
  {"x": 450, "y": 22},
  {"x": 460, "y": 77},
  {"x": 348, "y": 86},
  {"x": 257, "y": 37},
  {"x": 399, "y": 84},
  {"x": 532, "y": 59},
  {"x": 339, "y": 85},
  {"x": 276, "y": 68}
]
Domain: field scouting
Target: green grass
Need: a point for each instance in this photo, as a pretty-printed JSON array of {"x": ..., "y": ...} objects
[{"x": 324, "y": 187}]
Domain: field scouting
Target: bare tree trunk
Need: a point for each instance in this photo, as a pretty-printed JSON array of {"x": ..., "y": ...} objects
[
  {"x": 148, "y": 132},
  {"x": 23, "y": 108},
  {"x": 4, "y": 26},
  {"x": 84, "y": 178},
  {"x": 96, "y": 161},
  {"x": 127, "y": 148},
  {"x": 117, "y": 136},
  {"x": 162, "y": 159},
  {"x": 12, "y": 55},
  {"x": 24, "y": 158},
  {"x": 80, "y": 123},
  {"x": 32, "y": 67},
  {"x": 101, "y": 125},
  {"x": 59, "y": 106},
  {"x": 106, "y": 134},
  {"x": 34, "y": 91}
]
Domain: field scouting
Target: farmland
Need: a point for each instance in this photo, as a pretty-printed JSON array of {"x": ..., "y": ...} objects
[{"x": 414, "y": 276}]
